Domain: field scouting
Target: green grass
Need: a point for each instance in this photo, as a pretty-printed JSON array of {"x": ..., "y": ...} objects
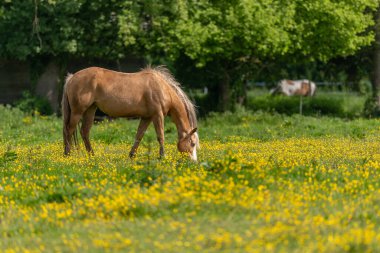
[
  {"x": 18, "y": 128},
  {"x": 265, "y": 182}
]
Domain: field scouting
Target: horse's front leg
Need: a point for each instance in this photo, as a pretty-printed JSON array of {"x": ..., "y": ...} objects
[
  {"x": 144, "y": 123},
  {"x": 158, "y": 123}
]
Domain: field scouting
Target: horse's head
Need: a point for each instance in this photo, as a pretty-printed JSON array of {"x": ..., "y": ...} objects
[{"x": 189, "y": 144}]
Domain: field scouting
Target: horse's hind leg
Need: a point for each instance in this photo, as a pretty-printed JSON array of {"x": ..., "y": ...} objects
[
  {"x": 87, "y": 121},
  {"x": 68, "y": 131},
  {"x": 144, "y": 123},
  {"x": 159, "y": 127}
]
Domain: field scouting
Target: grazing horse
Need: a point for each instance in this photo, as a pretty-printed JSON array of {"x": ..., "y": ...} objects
[
  {"x": 295, "y": 88},
  {"x": 150, "y": 95}
]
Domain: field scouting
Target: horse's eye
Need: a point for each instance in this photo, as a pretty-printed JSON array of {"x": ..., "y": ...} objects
[{"x": 192, "y": 144}]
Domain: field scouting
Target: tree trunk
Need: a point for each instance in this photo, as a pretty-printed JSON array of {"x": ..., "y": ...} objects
[
  {"x": 376, "y": 61},
  {"x": 242, "y": 92},
  {"x": 353, "y": 79},
  {"x": 224, "y": 92}
]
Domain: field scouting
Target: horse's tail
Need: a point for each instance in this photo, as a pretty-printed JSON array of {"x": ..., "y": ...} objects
[{"x": 66, "y": 112}]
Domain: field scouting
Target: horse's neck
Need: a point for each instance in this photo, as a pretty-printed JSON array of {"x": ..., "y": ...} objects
[{"x": 179, "y": 116}]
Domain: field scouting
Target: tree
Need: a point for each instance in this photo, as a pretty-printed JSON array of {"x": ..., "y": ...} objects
[
  {"x": 224, "y": 36},
  {"x": 220, "y": 35},
  {"x": 372, "y": 106},
  {"x": 65, "y": 28},
  {"x": 225, "y": 39}
]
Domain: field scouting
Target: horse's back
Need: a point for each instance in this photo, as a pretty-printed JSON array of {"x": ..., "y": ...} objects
[{"x": 119, "y": 94}]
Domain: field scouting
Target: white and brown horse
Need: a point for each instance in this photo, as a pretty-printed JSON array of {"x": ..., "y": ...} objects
[
  {"x": 150, "y": 95},
  {"x": 295, "y": 88}
]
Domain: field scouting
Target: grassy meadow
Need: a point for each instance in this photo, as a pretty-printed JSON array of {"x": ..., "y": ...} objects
[{"x": 264, "y": 183}]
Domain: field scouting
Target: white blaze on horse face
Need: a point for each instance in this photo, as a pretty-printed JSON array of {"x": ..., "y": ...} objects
[
  {"x": 193, "y": 156},
  {"x": 197, "y": 140}
]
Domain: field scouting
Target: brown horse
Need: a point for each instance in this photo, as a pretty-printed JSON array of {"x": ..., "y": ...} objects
[{"x": 150, "y": 94}]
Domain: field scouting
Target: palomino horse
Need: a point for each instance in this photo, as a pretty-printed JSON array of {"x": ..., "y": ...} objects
[
  {"x": 149, "y": 94},
  {"x": 295, "y": 88}
]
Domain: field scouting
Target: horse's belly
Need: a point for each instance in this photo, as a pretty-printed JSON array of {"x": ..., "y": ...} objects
[{"x": 118, "y": 107}]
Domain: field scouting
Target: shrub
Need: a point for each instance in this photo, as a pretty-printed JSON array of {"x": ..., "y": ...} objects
[
  {"x": 337, "y": 104},
  {"x": 371, "y": 108},
  {"x": 324, "y": 106},
  {"x": 31, "y": 104}
]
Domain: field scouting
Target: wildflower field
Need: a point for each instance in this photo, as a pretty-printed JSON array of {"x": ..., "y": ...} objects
[{"x": 263, "y": 183}]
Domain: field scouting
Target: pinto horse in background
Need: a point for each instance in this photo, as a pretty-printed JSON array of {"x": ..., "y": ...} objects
[
  {"x": 295, "y": 88},
  {"x": 150, "y": 95}
]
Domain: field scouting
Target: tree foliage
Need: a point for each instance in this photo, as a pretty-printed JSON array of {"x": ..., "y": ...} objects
[
  {"x": 328, "y": 29},
  {"x": 62, "y": 27},
  {"x": 225, "y": 37},
  {"x": 204, "y": 30},
  {"x": 207, "y": 30},
  {"x": 229, "y": 37}
]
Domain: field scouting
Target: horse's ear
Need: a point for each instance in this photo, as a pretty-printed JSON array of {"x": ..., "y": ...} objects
[{"x": 193, "y": 131}]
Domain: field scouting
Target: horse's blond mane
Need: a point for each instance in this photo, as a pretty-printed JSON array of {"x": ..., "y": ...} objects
[{"x": 189, "y": 105}]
